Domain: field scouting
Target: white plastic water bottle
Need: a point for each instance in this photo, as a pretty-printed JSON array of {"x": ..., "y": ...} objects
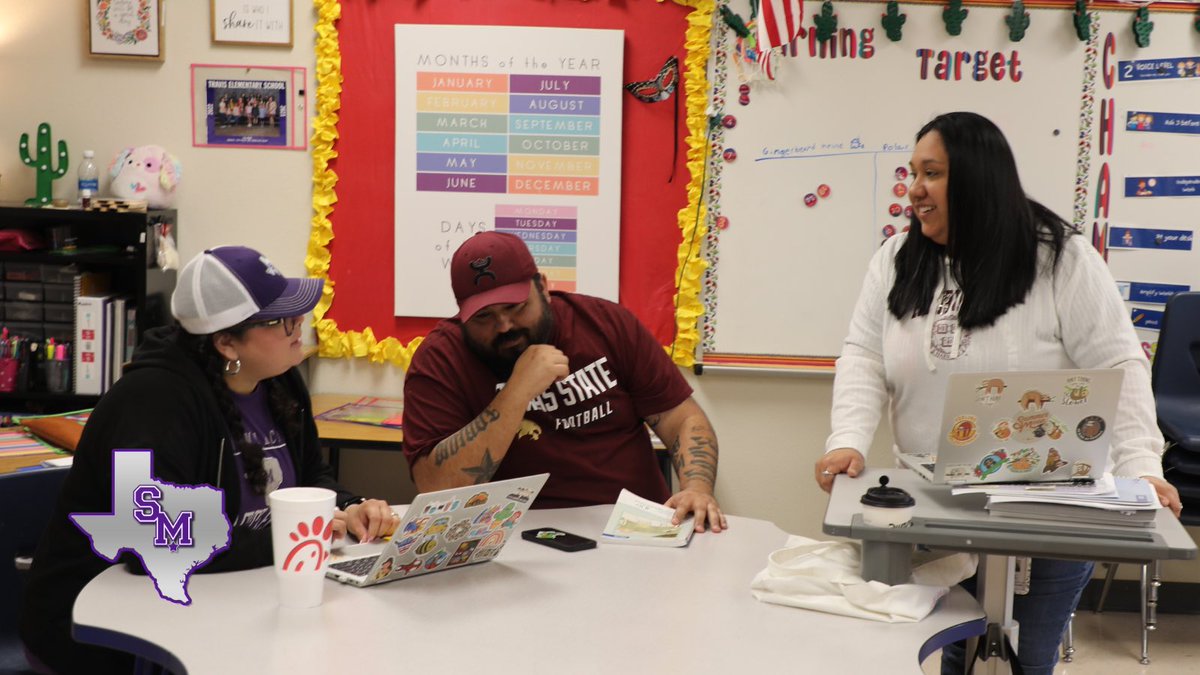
[{"x": 89, "y": 179}]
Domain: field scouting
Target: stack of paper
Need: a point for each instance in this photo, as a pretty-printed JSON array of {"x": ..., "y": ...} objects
[{"x": 1129, "y": 502}]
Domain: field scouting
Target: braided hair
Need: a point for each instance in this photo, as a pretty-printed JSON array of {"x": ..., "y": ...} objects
[{"x": 284, "y": 408}]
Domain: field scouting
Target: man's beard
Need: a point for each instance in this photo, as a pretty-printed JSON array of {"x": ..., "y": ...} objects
[{"x": 500, "y": 360}]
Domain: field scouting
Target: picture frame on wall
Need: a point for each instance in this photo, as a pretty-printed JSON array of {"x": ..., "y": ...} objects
[
  {"x": 251, "y": 22},
  {"x": 126, "y": 29},
  {"x": 241, "y": 106}
]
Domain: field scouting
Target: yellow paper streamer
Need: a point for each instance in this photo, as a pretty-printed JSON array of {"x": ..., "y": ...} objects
[{"x": 335, "y": 343}]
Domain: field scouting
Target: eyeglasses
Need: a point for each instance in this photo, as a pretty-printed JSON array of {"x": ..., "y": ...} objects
[{"x": 289, "y": 324}]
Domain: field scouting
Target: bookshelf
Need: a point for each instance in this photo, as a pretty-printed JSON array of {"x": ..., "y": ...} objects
[{"x": 119, "y": 245}]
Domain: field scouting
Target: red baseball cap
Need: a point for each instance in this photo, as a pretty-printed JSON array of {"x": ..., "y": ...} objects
[{"x": 491, "y": 268}]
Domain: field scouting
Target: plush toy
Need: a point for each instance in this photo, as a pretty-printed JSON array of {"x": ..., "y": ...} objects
[{"x": 147, "y": 172}]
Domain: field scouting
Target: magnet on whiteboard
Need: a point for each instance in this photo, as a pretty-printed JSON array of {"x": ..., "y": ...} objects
[
  {"x": 744, "y": 99},
  {"x": 823, "y": 191},
  {"x": 722, "y": 222},
  {"x": 895, "y": 210},
  {"x": 889, "y": 230},
  {"x": 730, "y": 154},
  {"x": 908, "y": 211},
  {"x": 743, "y": 89},
  {"x": 810, "y": 199},
  {"x": 901, "y": 173},
  {"x": 729, "y": 121},
  {"x": 899, "y": 189}
]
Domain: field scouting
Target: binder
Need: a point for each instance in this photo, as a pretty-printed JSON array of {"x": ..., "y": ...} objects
[{"x": 91, "y": 353}]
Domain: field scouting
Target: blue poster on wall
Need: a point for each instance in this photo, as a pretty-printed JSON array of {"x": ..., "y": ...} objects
[
  {"x": 1149, "y": 319},
  {"x": 1155, "y": 294},
  {"x": 1159, "y": 69},
  {"x": 1145, "y": 237},
  {"x": 1162, "y": 186},
  {"x": 1162, "y": 122}
]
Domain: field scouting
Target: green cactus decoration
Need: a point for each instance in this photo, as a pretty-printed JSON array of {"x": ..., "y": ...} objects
[
  {"x": 42, "y": 163},
  {"x": 1083, "y": 21},
  {"x": 826, "y": 22},
  {"x": 1142, "y": 25},
  {"x": 893, "y": 21},
  {"x": 734, "y": 22},
  {"x": 1018, "y": 21},
  {"x": 954, "y": 14}
]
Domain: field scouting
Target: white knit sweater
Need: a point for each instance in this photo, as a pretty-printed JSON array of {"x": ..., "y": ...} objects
[{"x": 1073, "y": 317}]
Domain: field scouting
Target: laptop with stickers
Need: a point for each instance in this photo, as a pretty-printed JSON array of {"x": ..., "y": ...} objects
[
  {"x": 440, "y": 531},
  {"x": 1035, "y": 426}
]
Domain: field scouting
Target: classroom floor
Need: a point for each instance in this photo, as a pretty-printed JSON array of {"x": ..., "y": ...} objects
[{"x": 1110, "y": 644}]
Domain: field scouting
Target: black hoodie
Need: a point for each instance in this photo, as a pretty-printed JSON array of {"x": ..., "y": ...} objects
[{"x": 165, "y": 403}]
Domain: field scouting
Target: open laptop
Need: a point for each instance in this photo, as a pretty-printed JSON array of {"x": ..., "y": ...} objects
[
  {"x": 441, "y": 530},
  {"x": 1036, "y": 426}
]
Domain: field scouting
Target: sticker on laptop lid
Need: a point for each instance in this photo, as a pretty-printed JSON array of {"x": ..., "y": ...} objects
[
  {"x": 477, "y": 499},
  {"x": 990, "y": 464},
  {"x": 439, "y": 526},
  {"x": 1030, "y": 427},
  {"x": 990, "y": 390},
  {"x": 1090, "y": 428},
  {"x": 1023, "y": 460},
  {"x": 436, "y": 559},
  {"x": 960, "y": 472},
  {"x": 385, "y": 569},
  {"x": 409, "y": 567},
  {"x": 459, "y": 530},
  {"x": 463, "y": 554},
  {"x": 1034, "y": 399},
  {"x": 1054, "y": 461},
  {"x": 1076, "y": 390},
  {"x": 1002, "y": 430},
  {"x": 403, "y": 545},
  {"x": 1081, "y": 470},
  {"x": 964, "y": 430}
]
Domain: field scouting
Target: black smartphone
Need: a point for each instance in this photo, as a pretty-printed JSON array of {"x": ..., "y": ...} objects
[{"x": 555, "y": 538}]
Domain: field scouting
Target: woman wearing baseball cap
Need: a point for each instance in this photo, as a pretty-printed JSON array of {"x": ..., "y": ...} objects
[{"x": 219, "y": 401}]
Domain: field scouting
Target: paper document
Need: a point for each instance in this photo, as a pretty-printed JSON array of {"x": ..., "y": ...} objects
[{"x": 635, "y": 520}]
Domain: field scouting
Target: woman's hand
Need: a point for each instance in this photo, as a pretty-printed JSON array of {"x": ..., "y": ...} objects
[
  {"x": 368, "y": 521},
  {"x": 1167, "y": 494},
  {"x": 843, "y": 460}
]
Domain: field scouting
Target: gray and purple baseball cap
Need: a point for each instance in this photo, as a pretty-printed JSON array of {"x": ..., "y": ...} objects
[{"x": 227, "y": 285}]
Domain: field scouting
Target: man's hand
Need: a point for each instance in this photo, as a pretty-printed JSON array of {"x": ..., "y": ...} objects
[
  {"x": 702, "y": 504},
  {"x": 536, "y": 369},
  {"x": 1167, "y": 494},
  {"x": 843, "y": 460},
  {"x": 368, "y": 521}
]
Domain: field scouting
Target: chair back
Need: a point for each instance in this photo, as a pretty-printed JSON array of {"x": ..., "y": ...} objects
[
  {"x": 1176, "y": 371},
  {"x": 27, "y": 502}
]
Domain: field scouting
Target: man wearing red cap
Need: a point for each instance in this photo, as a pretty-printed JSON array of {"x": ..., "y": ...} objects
[{"x": 523, "y": 380}]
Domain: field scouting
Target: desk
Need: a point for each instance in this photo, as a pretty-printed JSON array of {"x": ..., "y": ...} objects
[
  {"x": 338, "y": 435},
  {"x": 961, "y": 523},
  {"x": 613, "y": 609},
  {"x": 10, "y": 464}
]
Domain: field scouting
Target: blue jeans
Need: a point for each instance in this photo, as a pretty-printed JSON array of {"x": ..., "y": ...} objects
[{"x": 1054, "y": 590}]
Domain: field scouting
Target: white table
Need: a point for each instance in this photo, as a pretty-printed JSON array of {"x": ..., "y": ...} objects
[
  {"x": 614, "y": 609},
  {"x": 941, "y": 520}
]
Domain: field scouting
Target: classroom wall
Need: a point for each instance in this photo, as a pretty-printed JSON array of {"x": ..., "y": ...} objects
[{"x": 771, "y": 428}]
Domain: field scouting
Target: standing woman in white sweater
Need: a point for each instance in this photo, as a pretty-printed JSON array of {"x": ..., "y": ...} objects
[{"x": 986, "y": 279}]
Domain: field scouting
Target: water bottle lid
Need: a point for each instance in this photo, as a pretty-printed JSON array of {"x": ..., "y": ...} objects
[
  {"x": 887, "y": 497},
  {"x": 88, "y": 153}
]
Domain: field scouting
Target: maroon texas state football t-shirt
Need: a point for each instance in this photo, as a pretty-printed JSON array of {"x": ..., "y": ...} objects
[{"x": 587, "y": 431}]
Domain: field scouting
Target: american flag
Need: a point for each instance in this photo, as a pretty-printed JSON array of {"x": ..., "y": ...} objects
[{"x": 779, "y": 22}]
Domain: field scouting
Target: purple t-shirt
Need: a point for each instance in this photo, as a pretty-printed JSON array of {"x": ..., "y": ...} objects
[{"x": 281, "y": 473}]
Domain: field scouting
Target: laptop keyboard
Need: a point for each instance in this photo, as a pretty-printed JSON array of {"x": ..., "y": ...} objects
[{"x": 358, "y": 567}]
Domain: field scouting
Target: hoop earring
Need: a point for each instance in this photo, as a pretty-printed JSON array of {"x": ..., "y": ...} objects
[{"x": 233, "y": 367}]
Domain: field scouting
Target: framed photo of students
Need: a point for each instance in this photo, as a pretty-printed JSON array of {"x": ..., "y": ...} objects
[
  {"x": 128, "y": 29},
  {"x": 252, "y": 22},
  {"x": 249, "y": 107}
]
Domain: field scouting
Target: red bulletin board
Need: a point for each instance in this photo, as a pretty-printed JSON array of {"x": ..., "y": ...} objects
[{"x": 356, "y": 191}]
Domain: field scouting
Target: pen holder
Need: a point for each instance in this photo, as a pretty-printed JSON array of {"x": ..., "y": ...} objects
[
  {"x": 58, "y": 376},
  {"x": 9, "y": 369}
]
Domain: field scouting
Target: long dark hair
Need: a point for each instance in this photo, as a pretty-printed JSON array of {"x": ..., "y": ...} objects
[
  {"x": 285, "y": 409},
  {"x": 994, "y": 229}
]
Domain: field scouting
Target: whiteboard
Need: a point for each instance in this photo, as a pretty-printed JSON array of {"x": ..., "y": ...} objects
[{"x": 784, "y": 276}]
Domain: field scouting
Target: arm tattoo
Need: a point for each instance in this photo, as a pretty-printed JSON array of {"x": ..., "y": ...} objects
[
  {"x": 484, "y": 471},
  {"x": 702, "y": 460},
  {"x": 452, "y": 444}
]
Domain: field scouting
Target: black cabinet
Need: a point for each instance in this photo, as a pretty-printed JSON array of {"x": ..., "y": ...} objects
[{"x": 119, "y": 249}]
